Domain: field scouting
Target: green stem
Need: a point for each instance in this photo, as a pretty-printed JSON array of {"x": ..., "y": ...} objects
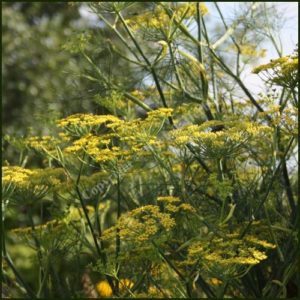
[
  {"x": 44, "y": 280},
  {"x": 10, "y": 263},
  {"x": 260, "y": 205},
  {"x": 151, "y": 68},
  {"x": 118, "y": 241},
  {"x": 281, "y": 257},
  {"x": 172, "y": 266}
]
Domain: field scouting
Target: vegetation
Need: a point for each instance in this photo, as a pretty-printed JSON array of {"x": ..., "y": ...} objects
[{"x": 182, "y": 184}]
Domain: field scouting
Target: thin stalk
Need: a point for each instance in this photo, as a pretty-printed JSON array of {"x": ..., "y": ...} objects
[
  {"x": 118, "y": 241},
  {"x": 177, "y": 75},
  {"x": 199, "y": 46},
  {"x": 44, "y": 280},
  {"x": 136, "y": 44},
  {"x": 185, "y": 31},
  {"x": 151, "y": 68},
  {"x": 118, "y": 34},
  {"x": 172, "y": 266},
  {"x": 10, "y": 263},
  {"x": 278, "y": 249},
  {"x": 87, "y": 215},
  {"x": 102, "y": 78},
  {"x": 39, "y": 251},
  {"x": 200, "y": 52},
  {"x": 260, "y": 205},
  {"x": 28, "y": 290},
  {"x": 286, "y": 180},
  {"x": 201, "y": 162},
  {"x": 233, "y": 40},
  {"x": 100, "y": 254}
]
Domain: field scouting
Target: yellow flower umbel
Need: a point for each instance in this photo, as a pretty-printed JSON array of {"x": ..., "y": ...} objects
[
  {"x": 282, "y": 71},
  {"x": 159, "y": 19},
  {"x": 220, "y": 143},
  {"x": 34, "y": 181},
  {"x": 141, "y": 225},
  {"x": 74, "y": 215},
  {"x": 81, "y": 124},
  {"x": 227, "y": 254}
]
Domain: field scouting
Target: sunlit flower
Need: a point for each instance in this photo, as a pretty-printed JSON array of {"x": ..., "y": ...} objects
[{"x": 104, "y": 289}]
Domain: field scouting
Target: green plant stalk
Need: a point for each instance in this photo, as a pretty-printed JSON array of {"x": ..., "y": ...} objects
[
  {"x": 232, "y": 38},
  {"x": 278, "y": 249},
  {"x": 9, "y": 261},
  {"x": 28, "y": 290},
  {"x": 118, "y": 240},
  {"x": 151, "y": 279},
  {"x": 39, "y": 251},
  {"x": 126, "y": 58},
  {"x": 102, "y": 77},
  {"x": 117, "y": 33},
  {"x": 44, "y": 281},
  {"x": 133, "y": 38},
  {"x": 171, "y": 265},
  {"x": 139, "y": 282},
  {"x": 199, "y": 45},
  {"x": 258, "y": 208},
  {"x": 285, "y": 175},
  {"x": 161, "y": 164},
  {"x": 87, "y": 215},
  {"x": 101, "y": 254},
  {"x": 251, "y": 287},
  {"x": 170, "y": 36},
  {"x": 177, "y": 75},
  {"x": 185, "y": 31},
  {"x": 151, "y": 68}
]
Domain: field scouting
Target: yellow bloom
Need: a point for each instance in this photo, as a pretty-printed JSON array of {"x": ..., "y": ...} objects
[
  {"x": 161, "y": 112},
  {"x": 169, "y": 199},
  {"x": 104, "y": 289},
  {"x": 83, "y": 120}
]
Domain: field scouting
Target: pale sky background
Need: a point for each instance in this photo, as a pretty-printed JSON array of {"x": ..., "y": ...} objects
[{"x": 288, "y": 33}]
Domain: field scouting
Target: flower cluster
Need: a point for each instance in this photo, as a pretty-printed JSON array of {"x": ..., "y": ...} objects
[
  {"x": 27, "y": 179},
  {"x": 158, "y": 18},
  {"x": 87, "y": 121},
  {"x": 285, "y": 119},
  {"x": 171, "y": 204},
  {"x": 251, "y": 51},
  {"x": 223, "y": 142},
  {"x": 74, "y": 214},
  {"x": 160, "y": 113},
  {"x": 282, "y": 71},
  {"x": 141, "y": 224},
  {"x": 44, "y": 144},
  {"x": 227, "y": 251}
]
